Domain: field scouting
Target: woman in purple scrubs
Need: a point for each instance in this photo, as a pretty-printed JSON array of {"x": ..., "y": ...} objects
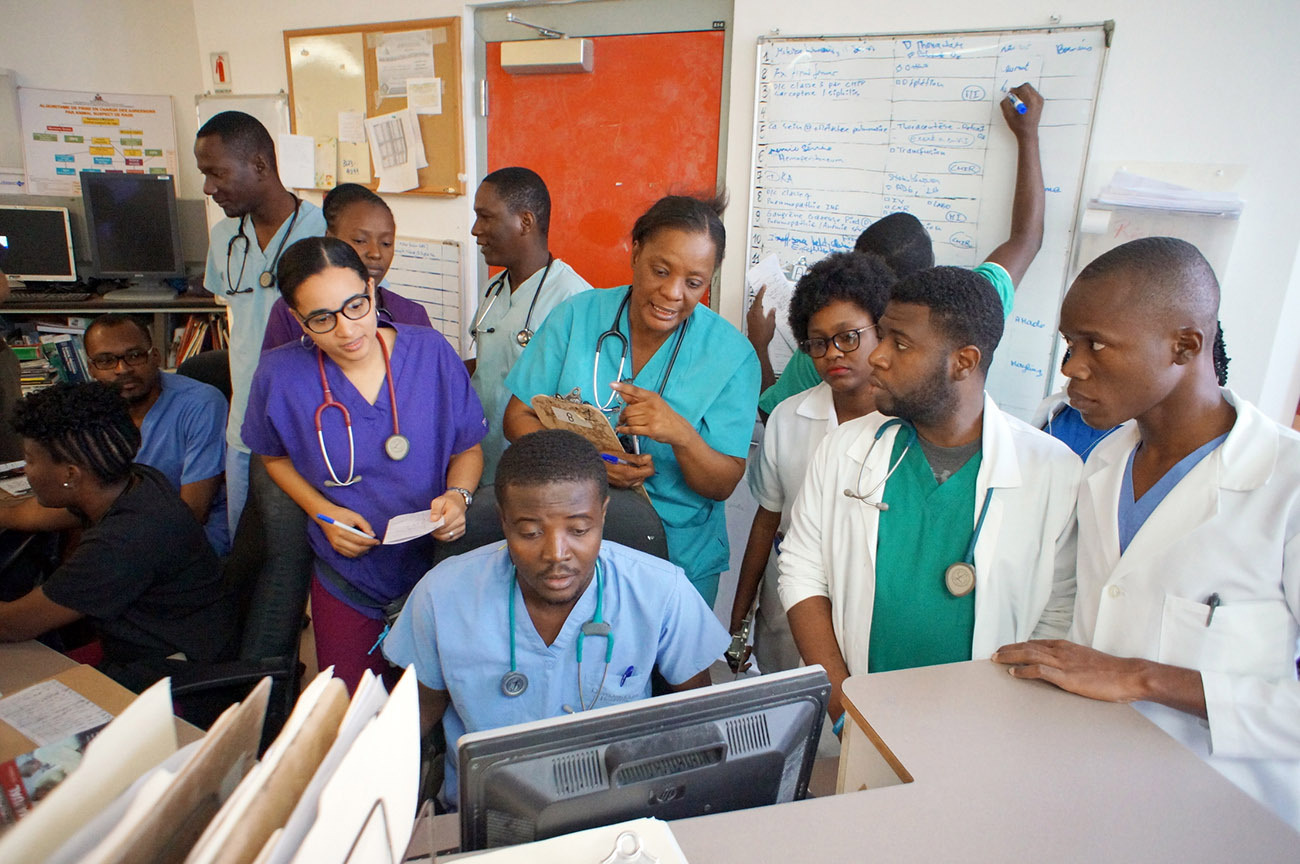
[{"x": 362, "y": 423}]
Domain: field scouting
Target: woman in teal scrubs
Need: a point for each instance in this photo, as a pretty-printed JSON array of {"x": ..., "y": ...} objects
[{"x": 678, "y": 383}]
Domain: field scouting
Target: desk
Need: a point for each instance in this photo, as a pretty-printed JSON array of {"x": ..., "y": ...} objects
[
  {"x": 25, "y": 663},
  {"x": 1002, "y": 770}
]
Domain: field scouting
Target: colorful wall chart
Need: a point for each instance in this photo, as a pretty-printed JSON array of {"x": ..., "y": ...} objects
[{"x": 66, "y": 132}]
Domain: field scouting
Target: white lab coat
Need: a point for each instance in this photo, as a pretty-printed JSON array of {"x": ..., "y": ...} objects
[
  {"x": 1232, "y": 527},
  {"x": 1024, "y": 558}
]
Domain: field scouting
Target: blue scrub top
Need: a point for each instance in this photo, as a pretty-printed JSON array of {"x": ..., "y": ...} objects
[
  {"x": 455, "y": 629},
  {"x": 714, "y": 386},
  {"x": 438, "y": 413}
]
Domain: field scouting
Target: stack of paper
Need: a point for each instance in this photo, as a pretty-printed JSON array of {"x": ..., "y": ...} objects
[
  {"x": 777, "y": 293},
  {"x": 1133, "y": 190}
]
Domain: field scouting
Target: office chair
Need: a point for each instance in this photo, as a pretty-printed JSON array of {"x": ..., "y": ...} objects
[
  {"x": 210, "y": 367},
  {"x": 269, "y": 569}
]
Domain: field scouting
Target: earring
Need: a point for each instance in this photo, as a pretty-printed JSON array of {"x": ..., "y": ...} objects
[
  {"x": 67, "y": 485},
  {"x": 305, "y": 341}
]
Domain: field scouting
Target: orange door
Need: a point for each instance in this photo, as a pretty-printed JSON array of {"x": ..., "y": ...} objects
[{"x": 611, "y": 142}]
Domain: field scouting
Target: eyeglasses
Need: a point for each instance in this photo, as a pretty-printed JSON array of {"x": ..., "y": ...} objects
[
  {"x": 134, "y": 357},
  {"x": 847, "y": 341},
  {"x": 354, "y": 308}
]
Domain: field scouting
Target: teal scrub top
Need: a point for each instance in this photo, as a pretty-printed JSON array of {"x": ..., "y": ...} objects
[
  {"x": 914, "y": 620},
  {"x": 800, "y": 373},
  {"x": 713, "y": 385}
]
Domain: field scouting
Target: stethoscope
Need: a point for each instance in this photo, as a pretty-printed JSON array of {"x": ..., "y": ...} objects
[
  {"x": 959, "y": 577},
  {"x": 396, "y": 445},
  {"x": 267, "y": 277},
  {"x": 524, "y": 336},
  {"x": 624, "y": 349},
  {"x": 514, "y": 682}
]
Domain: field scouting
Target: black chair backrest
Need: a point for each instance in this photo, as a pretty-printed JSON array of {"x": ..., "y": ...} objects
[{"x": 210, "y": 367}]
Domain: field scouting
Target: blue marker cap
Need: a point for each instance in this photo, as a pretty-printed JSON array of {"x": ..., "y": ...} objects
[{"x": 1020, "y": 106}]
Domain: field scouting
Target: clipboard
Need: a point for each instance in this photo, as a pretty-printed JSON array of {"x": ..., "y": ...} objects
[{"x": 584, "y": 419}]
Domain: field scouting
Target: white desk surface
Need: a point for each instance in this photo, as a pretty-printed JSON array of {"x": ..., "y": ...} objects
[{"x": 1006, "y": 770}]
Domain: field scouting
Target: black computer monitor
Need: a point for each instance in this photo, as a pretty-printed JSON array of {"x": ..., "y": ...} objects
[
  {"x": 36, "y": 244},
  {"x": 743, "y": 744},
  {"x": 132, "y": 223}
]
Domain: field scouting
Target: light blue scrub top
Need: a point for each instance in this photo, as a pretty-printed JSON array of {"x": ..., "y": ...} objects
[
  {"x": 455, "y": 629},
  {"x": 1133, "y": 514},
  {"x": 714, "y": 386}
]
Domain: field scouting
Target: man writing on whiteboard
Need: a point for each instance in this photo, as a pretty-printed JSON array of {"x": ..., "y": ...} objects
[
  {"x": 923, "y": 531},
  {"x": 903, "y": 242},
  {"x": 236, "y": 157}
]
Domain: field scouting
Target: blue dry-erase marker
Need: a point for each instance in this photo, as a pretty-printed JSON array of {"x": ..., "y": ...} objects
[
  {"x": 1020, "y": 107},
  {"x": 614, "y": 460},
  {"x": 357, "y": 531},
  {"x": 627, "y": 673}
]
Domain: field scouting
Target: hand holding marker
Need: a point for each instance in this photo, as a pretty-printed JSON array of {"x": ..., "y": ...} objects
[{"x": 1017, "y": 104}]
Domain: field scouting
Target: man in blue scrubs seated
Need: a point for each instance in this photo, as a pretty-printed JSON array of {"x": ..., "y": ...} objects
[
  {"x": 236, "y": 156},
  {"x": 515, "y": 632},
  {"x": 182, "y": 425},
  {"x": 903, "y": 242},
  {"x": 1189, "y": 527},
  {"x": 925, "y": 532}
]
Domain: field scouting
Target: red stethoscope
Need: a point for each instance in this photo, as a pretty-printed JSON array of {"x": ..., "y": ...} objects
[{"x": 396, "y": 445}]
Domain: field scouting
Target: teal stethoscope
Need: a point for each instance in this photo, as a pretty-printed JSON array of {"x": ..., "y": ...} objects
[
  {"x": 959, "y": 578},
  {"x": 514, "y": 682}
]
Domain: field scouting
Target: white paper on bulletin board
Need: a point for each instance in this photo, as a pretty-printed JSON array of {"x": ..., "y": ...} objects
[
  {"x": 66, "y": 132},
  {"x": 329, "y": 98}
]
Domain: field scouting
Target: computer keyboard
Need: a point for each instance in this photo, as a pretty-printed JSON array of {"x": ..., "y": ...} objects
[{"x": 33, "y": 297}]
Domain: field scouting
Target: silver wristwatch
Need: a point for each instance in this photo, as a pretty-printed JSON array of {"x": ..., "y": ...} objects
[{"x": 464, "y": 493}]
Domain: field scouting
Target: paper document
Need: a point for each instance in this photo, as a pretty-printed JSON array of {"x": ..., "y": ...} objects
[
  {"x": 408, "y": 526},
  {"x": 16, "y": 485},
  {"x": 297, "y": 155},
  {"x": 352, "y": 127},
  {"x": 51, "y": 711},
  {"x": 402, "y": 56},
  {"x": 653, "y": 837},
  {"x": 424, "y": 95},
  {"x": 779, "y": 291},
  {"x": 394, "y": 148},
  {"x": 1133, "y": 190}
]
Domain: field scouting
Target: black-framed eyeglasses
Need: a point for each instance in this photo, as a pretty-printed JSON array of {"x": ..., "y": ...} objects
[
  {"x": 134, "y": 357},
  {"x": 354, "y": 308},
  {"x": 847, "y": 341}
]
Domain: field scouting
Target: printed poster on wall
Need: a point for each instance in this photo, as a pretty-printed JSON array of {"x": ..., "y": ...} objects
[{"x": 66, "y": 132}]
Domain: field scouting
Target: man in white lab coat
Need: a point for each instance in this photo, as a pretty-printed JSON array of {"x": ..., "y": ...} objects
[
  {"x": 1189, "y": 527},
  {"x": 891, "y": 511}
]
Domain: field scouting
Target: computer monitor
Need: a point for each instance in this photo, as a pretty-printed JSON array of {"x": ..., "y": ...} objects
[
  {"x": 742, "y": 744},
  {"x": 36, "y": 244},
  {"x": 132, "y": 224}
]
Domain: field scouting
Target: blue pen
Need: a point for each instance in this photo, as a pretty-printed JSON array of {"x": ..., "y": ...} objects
[
  {"x": 614, "y": 460},
  {"x": 357, "y": 531},
  {"x": 627, "y": 673},
  {"x": 1020, "y": 107}
]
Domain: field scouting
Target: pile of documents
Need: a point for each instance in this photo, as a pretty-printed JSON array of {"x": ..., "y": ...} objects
[
  {"x": 340, "y": 783},
  {"x": 1133, "y": 190}
]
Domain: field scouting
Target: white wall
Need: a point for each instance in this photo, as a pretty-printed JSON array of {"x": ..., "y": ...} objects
[
  {"x": 127, "y": 46},
  {"x": 1187, "y": 81},
  {"x": 1197, "y": 82}
]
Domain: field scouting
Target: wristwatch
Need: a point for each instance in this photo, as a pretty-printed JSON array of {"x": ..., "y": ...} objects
[{"x": 464, "y": 493}]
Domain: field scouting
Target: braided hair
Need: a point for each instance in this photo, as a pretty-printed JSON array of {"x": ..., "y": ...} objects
[{"x": 87, "y": 425}]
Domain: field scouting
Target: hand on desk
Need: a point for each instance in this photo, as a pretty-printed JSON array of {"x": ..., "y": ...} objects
[{"x": 1105, "y": 677}]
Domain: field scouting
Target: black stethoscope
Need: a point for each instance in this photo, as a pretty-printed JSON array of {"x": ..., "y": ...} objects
[
  {"x": 396, "y": 446},
  {"x": 514, "y": 682},
  {"x": 267, "y": 277},
  {"x": 624, "y": 349},
  {"x": 524, "y": 336},
  {"x": 959, "y": 577}
]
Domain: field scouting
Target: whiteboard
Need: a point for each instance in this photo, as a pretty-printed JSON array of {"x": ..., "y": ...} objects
[{"x": 850, "y": 129}]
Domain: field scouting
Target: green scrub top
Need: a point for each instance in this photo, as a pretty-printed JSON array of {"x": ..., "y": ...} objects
[{"x": 915, "y": 621}]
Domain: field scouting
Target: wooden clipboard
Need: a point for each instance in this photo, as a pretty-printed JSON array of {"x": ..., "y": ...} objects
[{"x": 586, "y": 420}]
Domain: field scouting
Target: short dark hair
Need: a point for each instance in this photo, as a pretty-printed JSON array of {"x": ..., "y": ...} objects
[
  {"x": 901, "y": 240},
  {"x": 118, "y": 319},
  {"x": 685, "y": 213},
  {"x": 1168, "y": 274},
  {"x": 861, "y": 279},
  {"x": 242, "y": 133},
  {"x": 86, "y": 424},
  {"x": 523, "y": 189},
  {"x": 550, "y": 456},
  {"x": 963, "y": 304},
  {"x": 312, "y": 255},
  {"x": 344, "y": 196},
  {"x": 1221, "y": 358}
]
